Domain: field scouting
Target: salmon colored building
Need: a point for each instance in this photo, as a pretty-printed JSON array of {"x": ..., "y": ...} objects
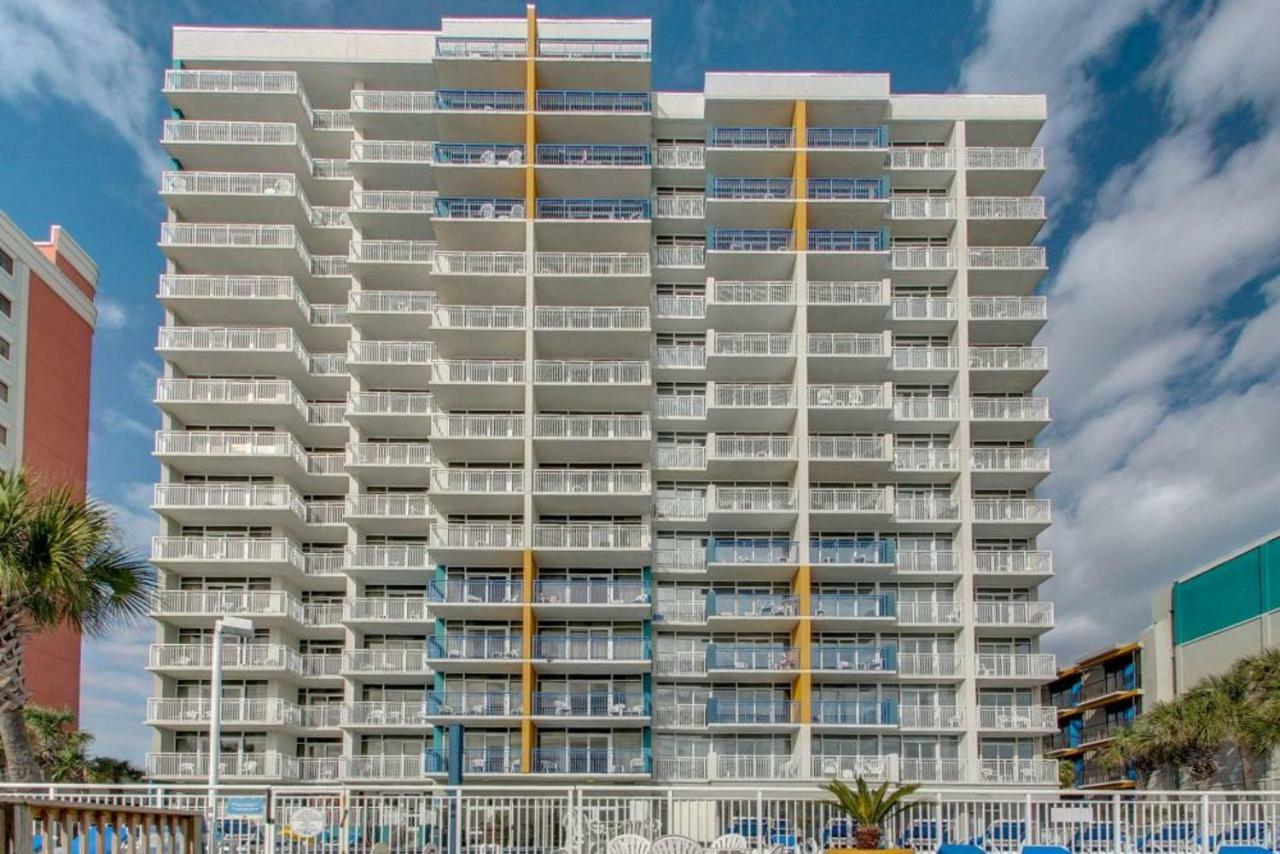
[{"x": 46, "y": 338}]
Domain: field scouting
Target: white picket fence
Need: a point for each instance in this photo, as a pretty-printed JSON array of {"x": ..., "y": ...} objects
[{"x": 518, "y": 819}]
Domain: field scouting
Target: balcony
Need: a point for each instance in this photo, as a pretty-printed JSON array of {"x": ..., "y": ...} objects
[
  {"x": 1013, "y": 468},
  {"x": 840, "y": 662},
  {"x": 751, "y": 305},
  {"x": 478, "y": 490},
  {"x": 376, "y": 715},
  {"x": 933, "y": 770},
  {"x": 474, "y": 707},
  {"x": 602, "y": 157},
  {"x": 752, "y": 662},
  {"x": 390, "y": 411},
  {"x": 847, "y": 407},
  {"x": 373, "y": 613},
  {"x": 843, "y": 457},
  {"x": 837, "y": 508},
  {"x": 390, "y": 363},
  {"x": 592, "y": 708},
  {"x": 995, "y": 271},
  {"x": 1016, "y": 668},
  {"x": 680, "y": 716},
  {"x": 1002, "y": 320},
  {"x": 224, "y": 452},
  {"x": 682, "y": 663},
  {"x": 398, "y": 463},
  {"x": 745, "y": 456},
  {"x": 221, "y": 556},
  {"x": 270, "y": 765},
  {"x": 614, "y": 277},
  {"x": 394, "y": 264},
  {"x": 473, "y": 222},
  {"x": 392, "y": 564},
  {"x": 922, "y": 265},
  {"x": 679, "y": 157},
  {"x": 846, "y": 305},
  {"x": 752, "y": 558},
  {"x": 730, "y": 611},
  {"x": 385, "y": 665},
  {"x": 1005, "y": 171},
  {"x": 595, "y": 653},
  {"x": 211, "y": 401},
  {"x": 390, "y": 513},
  {"x": 681, "y": 206},
  {"x": 383, "y": 113},
  {"x": 488, "y": 761},
  {"x": 275, "y": 198},
  {"x": 1008, "y": 418},
  {"x": 478, "y": 383},
  {"x": 836, "y": 356},
  {"x": 477, "y": 544},
  {"x": 1005, "y": 220},
  {"x": 750, "y": 406},
  {"x": 750, "y": 151},
  {"x": 611, "y": 762},
  {"x": 230, "y": 504},
  {"x": 198, "y": 607},
  {"x": 755, "y": 715},
  {"x": 257, "y": 249},
  {"x": 186, "y": 659},
  {"x": 920, "y": 216},
  {"x": 452, "y": 47},
  {"x": 741, "y": 253},
  {"x": 839, "y": 203},
  {"x": 571, "y": 331},
  {"x": 684, "y": 612},
  {"x": 921, "y": 563},
  {"x": 831, "y": 558},
  {"x": 932, "y": 718},
  {"x": 591, "y": 599},
  {"x": 921, "y": 166},
  {"x": 235, "y": 714},
  {"x": 681, "y": 263},
  {"x": 1018, "y": 719},
  {"x": 581, "y": 490},
  {"x": 1013, "y": 567},
  {"x": 926, "y": 512},
  {"x": 478, "y": 437},
  {"x": 480, "y": 113},
  {"x": 1010, "y": 517},
  {"x": 392, "y": 214},
  {"x": 751, "y": 355},
  {"x": 384, "y": 767},
  {"x": 1014, "y": 618},
  {"x": 484, "y": 598},
  {"x": 608, "y": 117},
  {"x": 927, "y": 613},
  {"x": 578, "y": 383},
  {"x": 592, "y": 438},
  {"x": 852, "y": 611},
  {"x": 931, "y": 666},
  {"x": 839, "y": 714},
  {"x": 588, "y": 544},
  {"x": 925, "y": 364},
  {"x": 1024, "y": 771},
  {"x": 479, "y": 330},
  {"x": 925, "y": 463},
  {"x": 395, "y": 315}
]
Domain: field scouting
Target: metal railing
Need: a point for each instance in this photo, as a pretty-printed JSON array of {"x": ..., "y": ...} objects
[
  {"x": 571, "y": 647},
  {"x": 847, "y": 344},
  {"x": 391, "y": 302},
  {"x": 922, "y": 157},
  {"x": 847, "y": 137},
  {"x": 580, "y": 101},
  {"x": 478, "y": 317},
  {"x": 591, "y": 481},
  {"x": 1018, "y": 718},
  {"x": 389, "y": 506},
  {"x": 692, "y": 406},
  {"x": 388, "y": 101},
  {"x": 574, "y": 318},
  {"x": 1011, "y": 510},
  {"x": 592, "y": 155},
  {"x": 923, "y": 308},
  {"x": 266, "y": 711},
  {"x": 451, "y": 47},
  {"x": 681, "y": 457},
  {"x": 389, "y": 403},
  {"x": 478, "y": 481},
  {"x": 392, "y": 251},
  {"x": 478, "y": 263},
  {"x": 585, "y": 426},
  {"x": 926, "y": 408},
  {"x": 846, "y": 240},
  {"x": 1008, "y": 308},
  {"x": 927, "y": 562},
  {"x": 228, "y": 496},
  {"x": 853, "y": 605},
  {"x": 1013, "y": 613},
  {"x": 591, "y": 704},
  {"x": 684, "y": 257},
  {"x": 753, "y": 344},
  {"x": 479, "y": 154},
  {"x": 230, "y": 549},
  {"x": 848, "y": 189},
  {"x": 847, "y": 293},
  {"x": 477, "y": 371},
  {"x": 922, "y": 207},
  {"x": 926, "y": 459},
  {"x": 401, "y": 557},
  {"x": 752, "y": 395},
  {"x": 592, "y": 760},
  {"x": 591, "y": 264},
  {"x": 604, "y": 49},
  {"x": 456, "y": 425},
  {"x": 1013, "y": 562},
  {"x": 1005, "y": 207},
  {"x": 848, "y": 397},
  {"x": 593, "y": 210},
  {"x": 922, "y": 258},
  {"x": 383, "y": 661},
  {"x": 926, "y": 358},
  {"x": 1016, "y": 665},
  {"x": 849, "y": 500},
  {"x": 262, "y": 603},
  {"x": 850, "y": 550},
  {"x": 479, "y": 208},
  {"x": 1004, "y": 158},
  {"x": 741, "y": 137},
  {"x": 742, "y": 447},
  {"x": 393, "y": 201},
  {"x": 689, "y": 206},
  {"x": 388, "y": 609},
  {"x": 925, "y": 613},
  {"x": 1007, "y": 258},
  {"x": 591, "y": 537},
  {"x": 477, "y": 536},
  {"x": 1009, "y": 459},
  {"x": 751, "y": 656},
  {"x": 490, "y": 704},
  {"x": 476, "y": 591},
  {"x": 380, "y": 714},
  {"x": 253, "y": 656},
  {"x": 390, "y": 352},
  {"x": 594, "y": 372},
  {"x": 752, "y": 240},
  {"x": 848, "y": 448},
  {"x": 860, "y": 658},
  {"x": 751, "y": 712},
  {"x": 750, "y": 189},
  {"x": 409, "y": 151},
  {"x": 680, "y": 156},
  {"x": 931, "y": 717},
  {"x": 452, "y": 100},
  {"x": 927, "y": 510}
]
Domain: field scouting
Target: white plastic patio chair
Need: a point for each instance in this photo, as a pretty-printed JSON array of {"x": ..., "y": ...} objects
[
  {"x": 628, "y": 843},
  {"x": 675, "y": 844},
  {"x": 730, "y": 842}
]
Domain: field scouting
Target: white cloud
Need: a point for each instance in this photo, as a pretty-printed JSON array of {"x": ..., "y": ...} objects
[
  {"x": 133, "y": 514},
  {"x": 1158, "y": 467},
  {"x": 1048, "y": 48},
  {"x": 114, "y": 687},
  {"x": 142, "y": 376},
  {"x": 111, "y": 314},
  {"x": 118, "y": 422},
  {"x": 80, "y": 51}
]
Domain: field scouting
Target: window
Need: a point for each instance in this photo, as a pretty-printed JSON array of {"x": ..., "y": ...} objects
[
  {"x": 6, "y": 306},
  {"x": 4, "y": 392},
  {"x": 4, "y": 348},
  {"x": 6, "y": 262},
  {"x": 4, "y": 436}
]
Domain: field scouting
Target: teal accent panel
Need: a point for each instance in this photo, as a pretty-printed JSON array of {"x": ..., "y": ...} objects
[{"x": 1237, "y": 590}]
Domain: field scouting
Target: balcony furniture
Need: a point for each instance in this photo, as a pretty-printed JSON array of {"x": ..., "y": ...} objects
[
  {"x": 628, "y": 843},
  {"x": 675, "y": 845},
  {"x": 729, "y": 842}
]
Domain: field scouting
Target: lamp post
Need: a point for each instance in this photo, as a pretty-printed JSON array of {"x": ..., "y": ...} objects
[{"x": 237, "y": 627}]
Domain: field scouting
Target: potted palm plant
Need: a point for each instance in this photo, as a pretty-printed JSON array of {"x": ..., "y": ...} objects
[{"x": 868, "y": 809}]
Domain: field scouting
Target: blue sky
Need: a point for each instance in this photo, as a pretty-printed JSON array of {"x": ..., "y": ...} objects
[{"x": 1164, "y": 155}]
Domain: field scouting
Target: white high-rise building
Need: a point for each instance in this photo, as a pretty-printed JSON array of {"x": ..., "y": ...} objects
[{"x": 648, "y": 436}]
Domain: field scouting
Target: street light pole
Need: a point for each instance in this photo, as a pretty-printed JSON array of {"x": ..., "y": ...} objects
[{"x": 222, "y": 627}]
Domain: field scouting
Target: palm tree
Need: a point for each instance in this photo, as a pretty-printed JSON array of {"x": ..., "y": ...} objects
[
  {"x": 104, "y": 769},
  {"x": 870, "y": 809},
  {"x": 1175, "y": 736},
  {"x": 62, "y": 562},
  {"x": 1243, "y": 710},
  {"x": 1066, "y": 774}
]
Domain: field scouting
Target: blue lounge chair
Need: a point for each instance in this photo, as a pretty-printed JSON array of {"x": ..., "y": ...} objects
[
  {"x": 1002, "y": 836},
  {"x": 1247, "y": 833},
  {"x": 924, "y": 834},
  {"x": 838, "y": 831},
  {"x": 1244, "y": 849},
  {"x": 1099, "y": 837},
  {"x": 1174, "y": 836},
  {"x": 1044, "y": 849}
]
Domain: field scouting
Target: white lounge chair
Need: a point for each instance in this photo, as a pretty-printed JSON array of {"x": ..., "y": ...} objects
[
  {"x": 628, "y": 843},
  {"x": 675, "y": 845},
  {"x": 730, "y": 842}
]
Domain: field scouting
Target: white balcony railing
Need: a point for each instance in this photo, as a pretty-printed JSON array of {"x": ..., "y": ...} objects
[
  {"x": 392, "y": 151},
  {"x": 386, "y": 609},
  {"x": 478, "y": 536},
  {"x": 848, "y": 448},
  {"x": 926, "y": 459},
  {"x": 1009, "y": 459},
  {"x": 1006, "y": 207},
  {"x": 753, "y": 395},
  {"x": 679, "y": 156},
  {"x": 591, "y": 318},
  {"x": 585, "y": 426},
  {"x": 1016, "y": 665},
  {"x": 1004, "y": 158},
  {"x": 591, "y": 264},
  {"x": 848, "y": 397},
  {"x": 753, "y": 344},
  {"x": 677, "y": 406},
  {"x": 389, "y": 506},
  {"x": 680, "y": 306},
  {"x": 591, "y": 537},
  {"x": 406, "y": 557},
  {"x": 390, "y": 454},
  {"x": 478, "y": 317},
  {"x": 1013, "y": 614},
  {"x": 1007, "y": 258},
  {"x": 455, "y": 263},
  {"x": 926, "y": 358},
  {"x": 228, "y": 496},
  {"x": 691, "y": 206},
  {"x": 847, "y": 344},
  {"x": 478, "y": 481},
  {"x": 679, "y": 256},
  {"x": 847, "y": 293},
  {"x": 735, "y": 447},
  {"x": 594, "y": 372},
  {"x": 927, "y": 510},
  {"x": 1013, "y": 562},
  {"x": 931, "y": 717},
  {"x": 389, "y": 403},
  {"x": 1009, "y": 409},
  {"x": 1024, "y": 771},
  {"x": 388, "y": 101},
  {"x": 922, "y": 157},
  {"x": 1008, "y": 308},
  {"x": 390, "y": 352},
  {"x": 252, "y": 603},
  {"x": 922, "y": 207},
  {"x": 266, "y": 711},
  {"x": 929, "y": 613},
  {"x": 269, "y": 765},
  {"x": 591, "y": 481},
  {"x": 1032, "y": 510},
  {"x": 922, "y": 258},
  {"x": 1018, "y": 718},
  {"x": 849, "y": 500},
  {"x": 391, "y": 251},
  {"x": 393, "y": 201},
  {"x": 229, "y": 549}
]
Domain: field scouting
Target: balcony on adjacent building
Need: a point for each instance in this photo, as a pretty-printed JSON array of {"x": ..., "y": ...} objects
[{"x": 268, "y": 765}]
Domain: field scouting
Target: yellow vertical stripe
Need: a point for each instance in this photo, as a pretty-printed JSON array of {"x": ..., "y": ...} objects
[
  {"x": 800, "y": 175},
  {"x": 530, "y": 102},
  {"x": 802, "y": 639},
  {"x": 527, "y": 629}
]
